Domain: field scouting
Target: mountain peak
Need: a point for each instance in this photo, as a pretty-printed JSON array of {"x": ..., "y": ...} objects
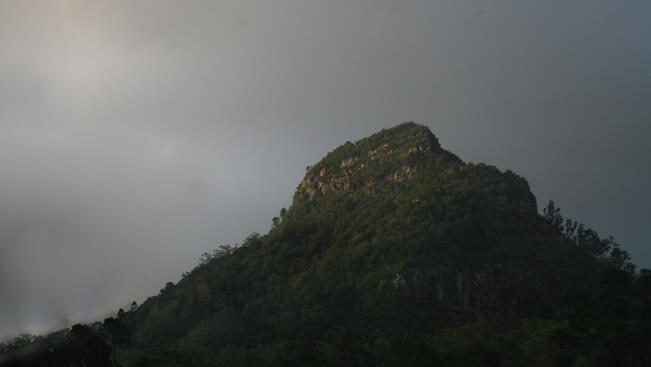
[
  {"x": 391, "y": 155},
  {"x": 408, "y": 135}
]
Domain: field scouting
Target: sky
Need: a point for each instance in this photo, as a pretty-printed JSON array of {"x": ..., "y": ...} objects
[{"x": 136, "y": 135}]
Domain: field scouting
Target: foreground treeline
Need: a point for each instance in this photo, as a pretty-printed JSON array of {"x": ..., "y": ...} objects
[
  {"x": 77, "y": 346},
  {"x": 611, "y": 328}
]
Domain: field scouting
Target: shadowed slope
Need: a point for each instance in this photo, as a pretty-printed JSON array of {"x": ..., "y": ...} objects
[{"x": 388, "y": 238}]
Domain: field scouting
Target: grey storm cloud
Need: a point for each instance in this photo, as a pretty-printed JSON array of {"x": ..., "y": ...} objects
[{"x": 135, "y": 135}]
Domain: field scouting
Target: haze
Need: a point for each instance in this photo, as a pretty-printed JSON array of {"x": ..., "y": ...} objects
[{"x": 136, "y": 135}]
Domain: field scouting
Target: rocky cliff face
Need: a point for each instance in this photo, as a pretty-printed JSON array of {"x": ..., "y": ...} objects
[
  {"x": 388, "y": 156},
  {"x": 481, "y": 215},
  {"x": 488, "y": 290},
  {"x": 393, "y": 156}
]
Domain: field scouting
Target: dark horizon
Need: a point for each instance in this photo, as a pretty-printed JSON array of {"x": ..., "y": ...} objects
[{"x": 135, "y": 137}]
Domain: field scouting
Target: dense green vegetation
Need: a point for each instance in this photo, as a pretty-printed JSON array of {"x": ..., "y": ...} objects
[{"x": 393, "y": 253}]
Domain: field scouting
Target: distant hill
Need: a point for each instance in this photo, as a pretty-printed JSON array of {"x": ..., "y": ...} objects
[{"x": 393, "y": 252}]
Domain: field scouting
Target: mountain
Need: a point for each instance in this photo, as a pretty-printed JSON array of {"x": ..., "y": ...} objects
[{"x": 393, "y": 252}]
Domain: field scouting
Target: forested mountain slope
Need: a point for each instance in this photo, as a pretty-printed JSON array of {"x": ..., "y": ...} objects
[{"x": 393, "y": 252}]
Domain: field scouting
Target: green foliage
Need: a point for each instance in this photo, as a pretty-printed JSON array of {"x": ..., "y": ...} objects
[
  {"x": 77, "y": 346},
  {"x": 390, "y": 250},
  {"x": 606, "y": 250}
]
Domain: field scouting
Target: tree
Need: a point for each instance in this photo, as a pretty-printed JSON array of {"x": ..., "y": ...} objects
[
  {"x": 205, "y": 258},
  {"x": 222, "y": 250},
  {"x": 606, "y": 250},
  {"x": 115, "y": 331},
  {"x": 253, "y": 238},
  {"x": 570, "y": 229},
  {"x": 275, "y": 222},
  {"x": 553, "y": 215},
  {"x": 620, "y": 258},
  {"x": 168, "y": 287}
]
